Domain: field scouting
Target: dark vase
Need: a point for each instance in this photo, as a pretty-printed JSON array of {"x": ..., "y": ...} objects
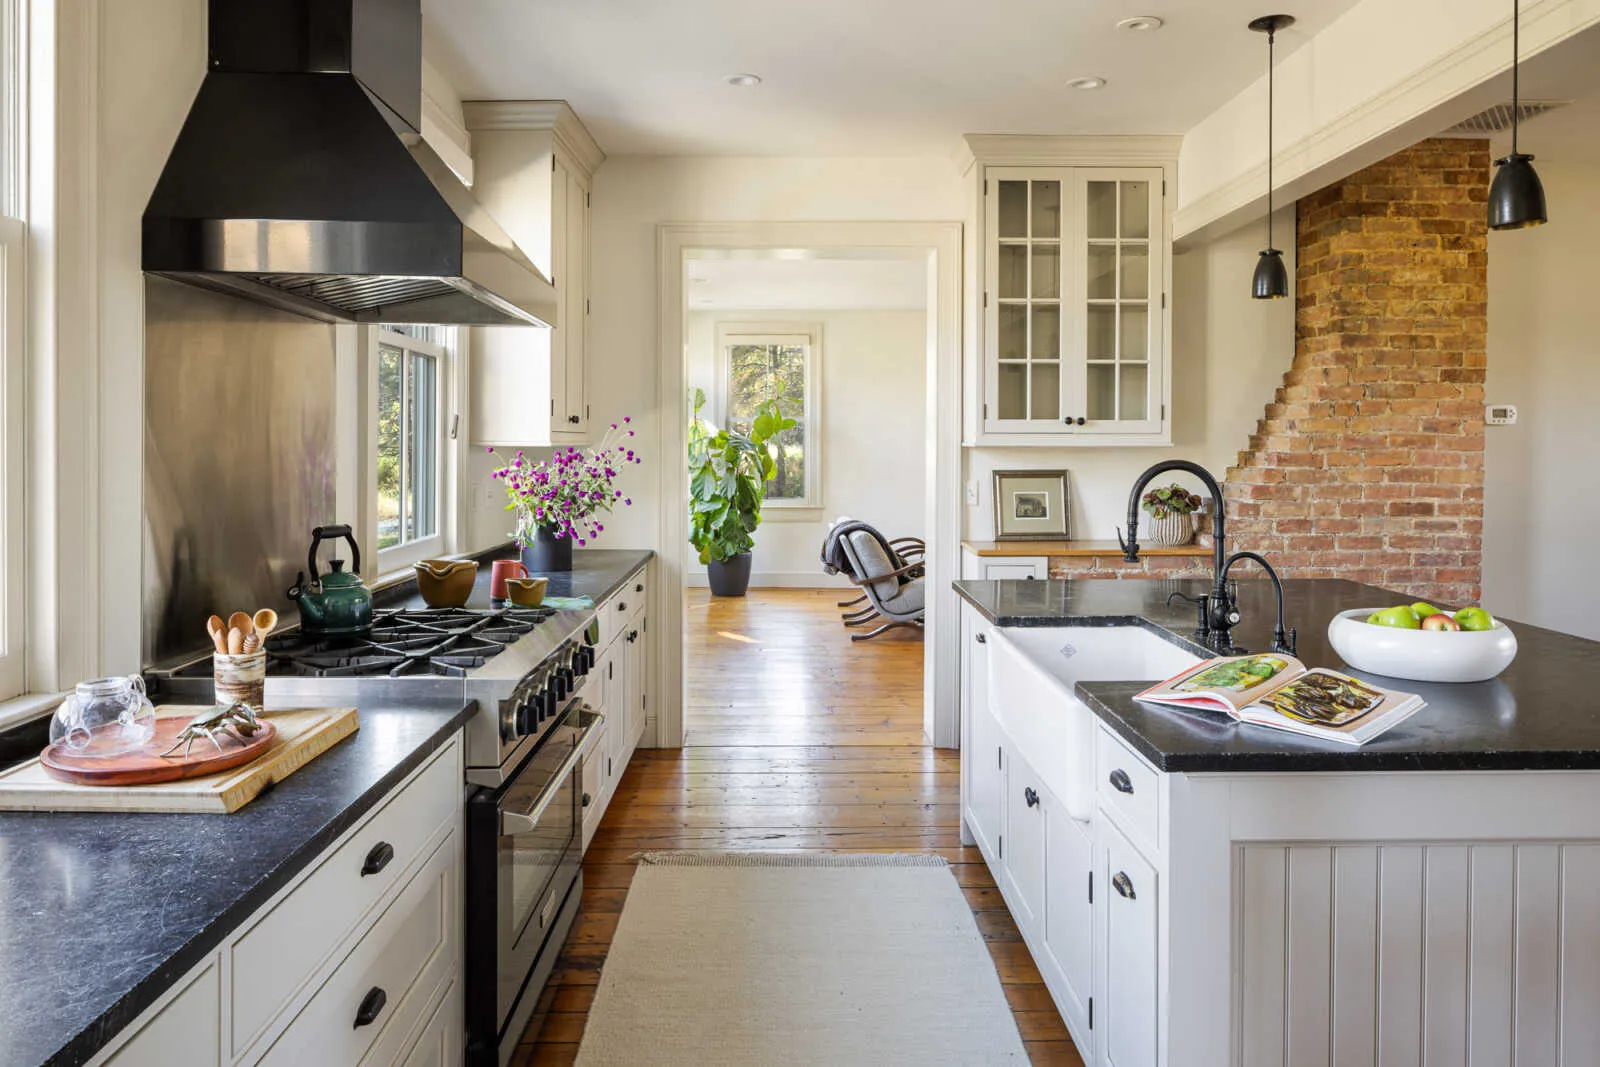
[
  {"x": 729, "y": 577},
  {"x": 549, "y": 552}
]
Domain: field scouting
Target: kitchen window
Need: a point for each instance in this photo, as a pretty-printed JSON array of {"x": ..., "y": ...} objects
[
  {"x": 13, "y": 312},
  {"x": 764, "y": 361},
  {"x": 414, "y": 378}
]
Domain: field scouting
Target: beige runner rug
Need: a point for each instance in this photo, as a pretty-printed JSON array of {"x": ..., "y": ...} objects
[{"x": 729, "y": 959}]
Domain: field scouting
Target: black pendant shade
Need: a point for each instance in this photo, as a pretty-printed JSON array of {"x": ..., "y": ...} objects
[
  {"x": 1516, "y": 199},
  {"x": 1271, "y": 281}
]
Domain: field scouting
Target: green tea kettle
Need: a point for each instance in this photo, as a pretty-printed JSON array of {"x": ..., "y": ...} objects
[{"x": 338, "y": 603}]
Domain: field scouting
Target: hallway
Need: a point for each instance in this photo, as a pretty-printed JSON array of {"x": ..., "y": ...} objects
[{"x": 796, "y": 739}]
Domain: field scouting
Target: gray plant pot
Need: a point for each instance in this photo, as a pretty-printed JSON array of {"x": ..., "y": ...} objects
[{"x": 729, "y": 577}]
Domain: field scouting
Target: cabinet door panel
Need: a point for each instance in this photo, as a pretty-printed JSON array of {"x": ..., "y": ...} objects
[
  {"x": 560, "y": 184},
  {"x": 185, "y": 1033},
  {"x": 984, "y": 758},
  {"x": 1130, "y": 1011},
  {"x": 575, "y": 300},
  {"x": 1068, "y": 914},
  {"x": 1025, "y": 841}
]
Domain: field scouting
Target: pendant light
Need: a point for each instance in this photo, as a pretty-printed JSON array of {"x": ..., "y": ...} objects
[
  {"x": 1516, "y": 198},
  {"x": 1271, "y": 281}
]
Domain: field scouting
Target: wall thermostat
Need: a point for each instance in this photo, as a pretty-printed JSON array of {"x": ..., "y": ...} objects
[{"x": 1500, "y": 414}]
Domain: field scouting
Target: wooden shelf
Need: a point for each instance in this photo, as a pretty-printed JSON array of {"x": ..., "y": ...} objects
[{"x": 1075, "y": 548}]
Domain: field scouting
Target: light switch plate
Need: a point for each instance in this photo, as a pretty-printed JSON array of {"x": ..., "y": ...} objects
[
  {"x": 972, "y": 494},
  {"x": 1500, "y": 414}
]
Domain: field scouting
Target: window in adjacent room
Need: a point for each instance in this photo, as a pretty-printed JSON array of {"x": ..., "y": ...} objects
[
  {"x": 762, "y": 361},
  {"x": 413, "y": 383}
]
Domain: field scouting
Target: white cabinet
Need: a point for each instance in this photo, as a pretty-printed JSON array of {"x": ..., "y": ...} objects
[
  {"x": 1069, "y": 913},
  {"x": 533, "y": 165},
  {"x": 1002, "y": 568},
  {"x": 1128, "y": 1005},
  {"x": 1024, "y": 858},
  {"x": 183, "y": 1032},
  {"x": 618, "y": 687},
  {"x": 1073, "y": 250},
  {"x": 983, "y": 746}
]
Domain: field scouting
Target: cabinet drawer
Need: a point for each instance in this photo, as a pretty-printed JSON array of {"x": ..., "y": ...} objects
[
  {"x": 272, "y": 960},
  {"x": 389, "y": 978},
  {"x": 1015, "y": 567},
  {"x": 441, "y": 1041},
  {"x": 596, "y": 787},
  {"x": 184, "y": 1033},
  {"x": 1127, "y": 785},
  {"x": 613, "y": 614}
]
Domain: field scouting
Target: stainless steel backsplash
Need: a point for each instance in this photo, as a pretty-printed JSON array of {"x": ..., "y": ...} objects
[{"x": 239, "y": 459}]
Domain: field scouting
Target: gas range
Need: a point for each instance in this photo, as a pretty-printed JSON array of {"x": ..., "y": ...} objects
[{"x": 522, "y": 666}]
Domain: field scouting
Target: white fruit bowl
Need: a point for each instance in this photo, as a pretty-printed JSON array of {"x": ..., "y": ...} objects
[{"x": 1421, "y": 655}]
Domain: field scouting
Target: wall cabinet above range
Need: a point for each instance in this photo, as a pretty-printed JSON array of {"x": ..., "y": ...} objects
[
  {"x": 1069, "y": 277},
  {"x": 533, "y": 163}
]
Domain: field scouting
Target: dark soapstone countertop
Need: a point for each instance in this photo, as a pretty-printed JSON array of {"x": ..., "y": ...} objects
[
  {"x": 101, "y": 913},
  {"x": 1542, "y": 713},
  {"x": 596, "y": 573}
]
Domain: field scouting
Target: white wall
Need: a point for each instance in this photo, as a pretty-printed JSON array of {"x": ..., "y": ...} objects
[
  {"x": 1229, "y": 353},
  {"x": 874, "y": 443},
  {"x": 1541, "y": 512},
  {"x": 632, "y": 195}
]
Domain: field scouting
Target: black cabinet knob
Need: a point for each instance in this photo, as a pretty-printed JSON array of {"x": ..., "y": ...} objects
[
  {"x": 982, "y": 640},
  {"x": 371, "y": 1007},
  {"x": 621, "y": 606},
  {"x": 633, "y": 635},
  {"x": 639, "y": 588},
  {"x": 587, "y": 799},
  {"x": 1123, "y": 885},
  {"x": 378, "y": 858},
  {"x": 1120, "y": 781},
  {"x": 574, "y": 419},
  {"x": 1031, "y": 797}
]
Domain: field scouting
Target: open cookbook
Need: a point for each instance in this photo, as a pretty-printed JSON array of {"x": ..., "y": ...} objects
[{"x": 1276, "y": 690}]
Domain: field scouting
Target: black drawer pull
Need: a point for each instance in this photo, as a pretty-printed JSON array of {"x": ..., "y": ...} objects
[
  {"x": 639, "y": 588},
  {"x": 621, "y": 606},
  {"x": 1121, "y": 782},
  {"x": 371, "y": 1007},
  {"x": 378, "y": 858},
  {"x": 982, "y": 640},
  {"x": 1123, "y": 885},
  {"x": 587, "y": 799},
  {"x": 1031, "y": 797}
]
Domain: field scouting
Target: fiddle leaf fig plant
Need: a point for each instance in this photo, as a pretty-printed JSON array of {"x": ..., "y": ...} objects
[{"x": 728, "y": 475}]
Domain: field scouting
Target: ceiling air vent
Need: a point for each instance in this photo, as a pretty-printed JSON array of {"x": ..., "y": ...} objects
[{"x": 1498, "y": 118}]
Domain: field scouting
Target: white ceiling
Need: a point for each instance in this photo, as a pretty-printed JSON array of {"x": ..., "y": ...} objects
[
  {"x": 810, "y": 284},
  {"x": 854, "y": 77}
]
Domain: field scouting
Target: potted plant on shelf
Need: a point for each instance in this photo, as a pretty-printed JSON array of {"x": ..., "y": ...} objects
[
  {"x": 560, "y": 500},
  {"x": 728, "y": 476},
  {"x": 1171, "y": 512}
]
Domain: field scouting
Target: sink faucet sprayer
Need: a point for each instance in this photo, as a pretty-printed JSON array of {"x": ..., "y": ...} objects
[{"x": 1218, "y": 611}]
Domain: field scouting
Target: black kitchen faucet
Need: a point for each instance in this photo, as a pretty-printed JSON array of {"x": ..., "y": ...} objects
[{"x": 1219, "y": 612}]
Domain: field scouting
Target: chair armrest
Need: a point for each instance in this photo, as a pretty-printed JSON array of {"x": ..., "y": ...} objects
[{"x": 905, "y": 571}]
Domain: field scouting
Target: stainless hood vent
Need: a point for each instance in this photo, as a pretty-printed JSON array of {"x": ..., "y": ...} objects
[{"x": 299, "y": 179}]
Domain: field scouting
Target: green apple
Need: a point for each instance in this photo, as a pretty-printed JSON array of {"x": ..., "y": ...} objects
[
  {"x": 1474, "y": 618},
  {"x": 1425, "y": 610},
  {"x": 1401, "y": 618},
  {"x": 1440, "y": 621}
]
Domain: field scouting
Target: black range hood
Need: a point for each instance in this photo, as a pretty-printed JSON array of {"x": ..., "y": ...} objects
[{"x": 300, "y": 179}]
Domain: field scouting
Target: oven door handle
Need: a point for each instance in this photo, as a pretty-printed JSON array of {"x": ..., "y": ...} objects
[{"x": 516, "y": 822}]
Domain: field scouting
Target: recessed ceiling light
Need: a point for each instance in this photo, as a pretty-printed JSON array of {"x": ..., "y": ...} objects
[
  {"x": 1141, "y": 22},
  {"x": 1090, "y": 82},
  {"x": 743, "y": 80}
]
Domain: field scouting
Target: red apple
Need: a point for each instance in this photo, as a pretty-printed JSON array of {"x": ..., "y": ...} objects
[{"x": 1440, "y": 621}]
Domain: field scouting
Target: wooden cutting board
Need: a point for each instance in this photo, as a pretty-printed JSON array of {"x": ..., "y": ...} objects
[{"x": 303, "y": 735}]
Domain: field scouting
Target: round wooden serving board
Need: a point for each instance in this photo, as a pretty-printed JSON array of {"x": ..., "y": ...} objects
[{"x": 147, "y": 765}]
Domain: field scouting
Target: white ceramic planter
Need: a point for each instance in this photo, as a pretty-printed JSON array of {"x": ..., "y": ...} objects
[
  {"x": 1170, "y": 532},
  {"x": 1421, "y": 655}
]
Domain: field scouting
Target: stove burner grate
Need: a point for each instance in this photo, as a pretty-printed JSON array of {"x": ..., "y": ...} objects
[{"x": 406, "y": 641}]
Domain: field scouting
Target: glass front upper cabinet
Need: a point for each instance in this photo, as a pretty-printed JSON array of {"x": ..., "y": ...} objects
[{"x": 1073, "y": 304}]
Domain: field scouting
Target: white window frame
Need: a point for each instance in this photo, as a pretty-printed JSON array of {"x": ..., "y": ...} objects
[
  {"x": 13, "y": 352},
  {"x": 733, "y": 333},
  {"x": 441, "y": 542}
]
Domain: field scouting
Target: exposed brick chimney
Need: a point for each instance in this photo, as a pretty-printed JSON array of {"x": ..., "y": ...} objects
[{"x": 1369, "y": 462}]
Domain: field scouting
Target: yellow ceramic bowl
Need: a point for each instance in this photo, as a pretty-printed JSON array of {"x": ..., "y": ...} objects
[
  {"x": 526, "y": 592},
  {"x": 445, "y": 583}
]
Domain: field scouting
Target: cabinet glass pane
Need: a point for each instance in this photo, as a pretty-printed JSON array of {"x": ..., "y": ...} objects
[
  {"x": 1102, "y": 392},
  {"x": 1102, "y": 209},
  {"x": 1135, "y": 332},
  {"x": 1131, "y": 399},
  {"x": 1046, "y": 331},
  {"x": 1013, "y": 328},
  {"x": 1047, "y": 391},
  {"x": 1013, "y": 209},
  {"x": 1102, "y": 272},
  {"x": 1047, "y": 271},
  {"x": 1013, "y": 272},
  {"x": 1135, "y": 209},
  {"x": 1013, "y": 399},
  {"x": 1046, "y": 209},
  {"x": 1102, "y": 333},
  {"x": 1135, "y": 272}
]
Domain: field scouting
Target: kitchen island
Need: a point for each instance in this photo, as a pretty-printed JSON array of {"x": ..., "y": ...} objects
[{"x": 1197, "y": 891}]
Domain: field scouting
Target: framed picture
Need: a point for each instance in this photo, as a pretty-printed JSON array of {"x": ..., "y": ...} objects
[{"x": 1031, "y": 506}]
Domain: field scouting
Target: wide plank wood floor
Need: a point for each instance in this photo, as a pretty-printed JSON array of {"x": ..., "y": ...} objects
[{"x": 796, "y": 739}]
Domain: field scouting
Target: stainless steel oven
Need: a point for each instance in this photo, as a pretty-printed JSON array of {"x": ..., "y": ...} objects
[{"x": 523, "y": 852}]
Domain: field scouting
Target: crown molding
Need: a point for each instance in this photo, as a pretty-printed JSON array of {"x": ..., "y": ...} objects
[
  {"x": 555, "y": 116},
  {"x": 1067, "y": 150}
]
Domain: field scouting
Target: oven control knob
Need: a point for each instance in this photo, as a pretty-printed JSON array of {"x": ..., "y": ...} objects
[
  {"x": 580, "y": 664},
  {"x": 586, "y": 657},
  {"x": 567, "y": 678},
  {"x": 546, "y": 703},
  {"x": 556, "y": 687},
  {"x": 527, "y": 719}
]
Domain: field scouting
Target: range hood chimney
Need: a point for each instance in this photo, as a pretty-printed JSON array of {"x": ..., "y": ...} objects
[{"x": 300, "y": 179}]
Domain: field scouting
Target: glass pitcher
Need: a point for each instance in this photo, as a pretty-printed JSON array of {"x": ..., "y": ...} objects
[{"x": 104, "y": 717}]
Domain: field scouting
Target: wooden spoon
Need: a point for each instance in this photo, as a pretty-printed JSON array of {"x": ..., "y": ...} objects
[
  {"x": 235, "y": 641},
  {"x": 241, "y": 622},
  {"x": 218, "y": 632},
  {"x": 265, "y": 620}
]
